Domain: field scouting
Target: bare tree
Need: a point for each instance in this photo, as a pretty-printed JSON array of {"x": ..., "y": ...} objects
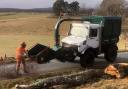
[
  {"x": 61, "y": 6},
  {"x": 112, "y": 7}
]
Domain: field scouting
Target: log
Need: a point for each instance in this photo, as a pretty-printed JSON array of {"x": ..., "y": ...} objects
[
  {"x": 75, "y": 78},
  {"x": 117, "y": 70}
]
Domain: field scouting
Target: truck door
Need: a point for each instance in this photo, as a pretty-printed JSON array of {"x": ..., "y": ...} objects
[{"x": 93, "y": 39}]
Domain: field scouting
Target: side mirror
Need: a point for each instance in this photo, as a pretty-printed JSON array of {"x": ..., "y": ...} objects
[
  {"x": 69, "y": 33},
  {"x": 84, "y": 43}
]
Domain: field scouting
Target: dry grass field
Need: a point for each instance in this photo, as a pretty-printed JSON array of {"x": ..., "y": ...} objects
[
  {"x": 29, "y": 27},
  {"x": 26, "y": 23}
]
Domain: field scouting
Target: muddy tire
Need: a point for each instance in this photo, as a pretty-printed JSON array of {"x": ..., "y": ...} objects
[
  {"x": 111, "y": 54},
  {"x": 88, "y": 59}
]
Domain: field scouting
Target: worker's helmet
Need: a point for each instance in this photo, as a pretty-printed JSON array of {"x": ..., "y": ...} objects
[{"x": 23, "y": 44}]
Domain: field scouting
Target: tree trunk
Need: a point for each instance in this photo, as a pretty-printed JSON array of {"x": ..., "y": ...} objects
[{"x": 76, "y": 78}]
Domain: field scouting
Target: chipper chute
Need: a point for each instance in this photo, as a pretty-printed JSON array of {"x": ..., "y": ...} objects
[{"x": 41, "y": 53}]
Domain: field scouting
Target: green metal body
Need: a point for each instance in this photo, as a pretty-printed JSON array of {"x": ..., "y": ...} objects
[{"x": 111, "y": 27}]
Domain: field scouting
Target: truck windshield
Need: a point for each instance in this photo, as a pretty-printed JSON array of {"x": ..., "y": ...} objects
[{"x": 79, "y": 31}]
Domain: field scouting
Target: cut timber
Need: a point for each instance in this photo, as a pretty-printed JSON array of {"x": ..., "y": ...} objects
[
  {"x": 75, "y": 78},
  {"x": 118, "y": 70}
]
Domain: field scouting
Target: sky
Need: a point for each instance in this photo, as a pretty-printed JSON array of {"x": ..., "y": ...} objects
[{"x": 28, "y": 4}]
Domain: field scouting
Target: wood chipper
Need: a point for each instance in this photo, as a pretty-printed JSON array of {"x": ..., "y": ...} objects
[{"x": 88, "y": 37}]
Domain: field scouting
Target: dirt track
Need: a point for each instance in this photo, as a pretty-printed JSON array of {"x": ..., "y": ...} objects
[{"x": 8, "y": 70}]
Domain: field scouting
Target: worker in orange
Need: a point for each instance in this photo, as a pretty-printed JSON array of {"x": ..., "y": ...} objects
[{"x": 20, "y": 57}]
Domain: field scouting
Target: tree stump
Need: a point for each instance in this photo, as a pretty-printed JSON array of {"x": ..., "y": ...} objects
[{"x": 117, "y": 70}]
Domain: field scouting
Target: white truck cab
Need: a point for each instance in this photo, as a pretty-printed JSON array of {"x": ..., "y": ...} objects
[{"x": 83, "y": 35}]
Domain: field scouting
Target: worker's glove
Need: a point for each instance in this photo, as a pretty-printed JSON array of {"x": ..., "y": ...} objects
[{"x": 25, "y": 55}]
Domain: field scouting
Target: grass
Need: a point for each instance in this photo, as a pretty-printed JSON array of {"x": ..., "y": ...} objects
[
  {"x": 26, "y": 23},
  {"x": 107, "y": 84},
  {"x": 122, "y": 43},
  {"x": 16, "y": 15},
  {"x": 29, "y": 27},
  {"x": 8, "y": 43}
]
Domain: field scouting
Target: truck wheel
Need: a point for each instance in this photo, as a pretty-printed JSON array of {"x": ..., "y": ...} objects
[
  {"x": 111, "y": 54},
  {"x": 87, "y": 59}
]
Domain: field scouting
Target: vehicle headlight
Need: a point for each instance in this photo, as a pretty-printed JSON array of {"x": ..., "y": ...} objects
[
  {"x": 84, "y": 43},
  {"x": 70, "y": 46},
  {"x": 66, "y": 45}
]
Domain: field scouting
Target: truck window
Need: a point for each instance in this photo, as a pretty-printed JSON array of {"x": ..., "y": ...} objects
[
  {"x": 79, "y": 31},
  {"x": 93, "y": 33}
]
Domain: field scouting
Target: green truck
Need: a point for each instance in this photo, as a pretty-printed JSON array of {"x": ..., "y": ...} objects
[{"x": 87, "y": 38}]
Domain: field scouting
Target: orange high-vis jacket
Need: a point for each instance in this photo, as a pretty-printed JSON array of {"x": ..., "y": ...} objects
[{"x": 20, "y": 53}]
